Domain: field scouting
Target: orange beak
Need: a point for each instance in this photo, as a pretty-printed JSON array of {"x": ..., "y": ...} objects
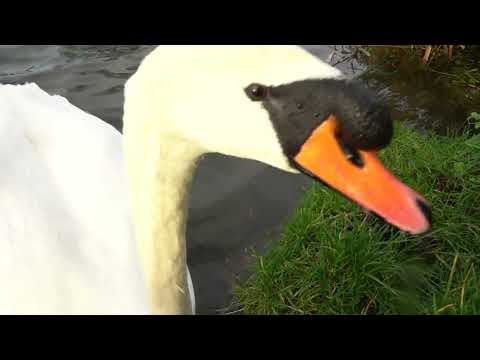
[{"x": 367, "y": 183}]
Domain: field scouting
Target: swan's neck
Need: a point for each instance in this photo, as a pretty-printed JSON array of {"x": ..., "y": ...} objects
[{"x": 160, "y": 173}]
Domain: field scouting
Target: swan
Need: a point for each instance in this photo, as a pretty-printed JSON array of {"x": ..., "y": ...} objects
[{"x": 93, "y": 222}]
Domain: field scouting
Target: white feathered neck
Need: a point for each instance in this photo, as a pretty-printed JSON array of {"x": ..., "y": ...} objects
[{"x": 182, "y": 102}]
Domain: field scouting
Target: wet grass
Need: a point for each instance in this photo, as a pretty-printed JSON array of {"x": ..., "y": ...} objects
[{"x": 333, "y": 258}]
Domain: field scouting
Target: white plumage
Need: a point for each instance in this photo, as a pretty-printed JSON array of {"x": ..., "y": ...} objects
[{"x": 65, "y": 225}]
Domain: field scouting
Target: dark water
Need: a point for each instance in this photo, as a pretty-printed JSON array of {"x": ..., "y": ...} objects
[
  {"x": 424, "y": 97},
  {"x": 236, "y": 204}
]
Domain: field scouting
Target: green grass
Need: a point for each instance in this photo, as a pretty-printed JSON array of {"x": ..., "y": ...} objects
[{"x": 333, "y": 258}]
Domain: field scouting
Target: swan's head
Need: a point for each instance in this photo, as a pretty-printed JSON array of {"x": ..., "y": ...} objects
[
  {"x": 286, "y": 108},
  {"x": 330, "y": 130}
]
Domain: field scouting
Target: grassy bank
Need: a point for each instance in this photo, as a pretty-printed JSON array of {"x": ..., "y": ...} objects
[{"x": 333, "y": 258}]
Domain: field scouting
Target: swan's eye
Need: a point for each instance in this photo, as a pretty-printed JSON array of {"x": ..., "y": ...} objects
[{"x": 256, "y": 92}]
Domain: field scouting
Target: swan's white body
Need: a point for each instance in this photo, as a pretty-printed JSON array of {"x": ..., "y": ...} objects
[
  {"x": 65, "y": 227},
  {"x": 67, "y": 242}
]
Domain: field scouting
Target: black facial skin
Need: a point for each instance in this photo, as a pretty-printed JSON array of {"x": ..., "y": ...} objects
[{"x": 297, "y": 109}]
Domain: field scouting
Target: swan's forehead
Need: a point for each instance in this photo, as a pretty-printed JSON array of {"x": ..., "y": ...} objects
[{"x": 284, "y": 65}]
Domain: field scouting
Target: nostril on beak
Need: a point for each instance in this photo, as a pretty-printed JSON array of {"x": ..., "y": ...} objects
[
  {"x": 425, "y": 209},
  {"x": 351, "y": 154}
]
